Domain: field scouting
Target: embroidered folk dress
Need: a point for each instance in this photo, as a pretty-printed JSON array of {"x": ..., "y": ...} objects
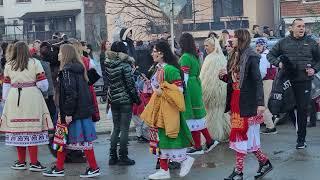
[
  {"x": 172, "y": 148},
  {"x": 245, "y": 131},
  {"x": 195, "y": 111},
  {"x": 25, "y": 119}
]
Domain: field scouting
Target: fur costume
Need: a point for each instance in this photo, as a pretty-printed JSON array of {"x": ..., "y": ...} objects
[{"x": 214, "y": 94}]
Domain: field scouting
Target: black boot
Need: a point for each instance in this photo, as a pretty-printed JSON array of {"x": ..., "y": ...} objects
[
  {"x": 235, "y": 176},
  {"x": 113, "y": 159},
  {"x": 263, "y": 170},
  {"x": 124, "y": 160}
]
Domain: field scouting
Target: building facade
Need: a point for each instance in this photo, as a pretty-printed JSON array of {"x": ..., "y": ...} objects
[
  {"x": 39, "y": 19},
  {"x": 200, "y": 17},
  {"x": 308, "y": 10}
]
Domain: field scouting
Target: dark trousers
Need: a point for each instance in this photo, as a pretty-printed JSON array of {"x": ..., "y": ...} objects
[
  {"x": 313, "y": 112},
  {"x": 303, "y": 100},
  {"x": 121, "y": 115},
  {"x": 51, "y": 107}
]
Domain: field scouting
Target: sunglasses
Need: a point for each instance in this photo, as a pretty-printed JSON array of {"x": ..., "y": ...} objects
[{"x": 156, "y": 51}]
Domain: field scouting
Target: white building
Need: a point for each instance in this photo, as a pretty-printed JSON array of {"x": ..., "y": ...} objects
[{"x": 39, "y": 19}]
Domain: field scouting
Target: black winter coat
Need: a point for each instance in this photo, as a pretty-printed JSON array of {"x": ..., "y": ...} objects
[
  {"x": 300, "y": 52},
  {"x": 144, "y": 59},
  {"x": 251, "y": 86},
  {"x": 75, "y": 98},
  {"x": 121, "y": 86}
]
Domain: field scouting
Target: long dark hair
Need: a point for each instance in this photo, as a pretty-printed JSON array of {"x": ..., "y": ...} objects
[
  {"x": 188, "y": 45},
  {"x": 119, "y": 46},
  {"x": 244, "y": 40},
  {"x": 168, "y": 56}
]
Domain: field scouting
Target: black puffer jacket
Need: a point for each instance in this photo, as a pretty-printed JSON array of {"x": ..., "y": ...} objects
[
  {"x": 300, "y": 52},
  {"x": 121, "y": 86},
  {"x": 75, "y": 98}
]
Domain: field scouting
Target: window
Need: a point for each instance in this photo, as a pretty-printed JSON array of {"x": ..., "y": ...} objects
[
  {"x": 23, "y": 1},
  {"x": 186, "y": 12},
  {"x": 1, "y": 2},
  {"x": 223, "y": 8}
]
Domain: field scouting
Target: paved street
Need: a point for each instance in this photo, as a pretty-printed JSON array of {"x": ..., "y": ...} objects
[{"x": 289, "y": 163}]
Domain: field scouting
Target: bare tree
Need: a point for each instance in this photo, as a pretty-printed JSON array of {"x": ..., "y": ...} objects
[
  {"x": 146, "y": 16},
  {"x": 141, "y": 14}
]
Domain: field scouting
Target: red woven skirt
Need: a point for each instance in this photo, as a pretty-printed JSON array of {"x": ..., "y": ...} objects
[{"x": 239, "y": 125}]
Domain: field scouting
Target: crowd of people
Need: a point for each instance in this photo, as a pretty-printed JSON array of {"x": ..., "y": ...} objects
[{"x": 172, "y": 97}]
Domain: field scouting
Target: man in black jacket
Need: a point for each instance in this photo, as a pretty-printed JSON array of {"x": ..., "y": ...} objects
[{"x": 304, "y": 53}]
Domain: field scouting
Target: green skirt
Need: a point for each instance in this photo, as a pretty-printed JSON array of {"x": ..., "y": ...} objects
[
  {"x": 183, "y": 140},
  {"x": 194, "y": 103}
]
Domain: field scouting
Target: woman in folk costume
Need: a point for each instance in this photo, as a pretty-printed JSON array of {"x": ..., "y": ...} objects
[
  {"x": 168, "y": 130},
  {"x": 214, "y": 90},
  {"x": 89, "y": 65},
  {"x": 76, "y": 108},
  {"x": 195, "y": 111},
  {"x": 245, "y": 103},
  {"x": 25, "y": 119}
]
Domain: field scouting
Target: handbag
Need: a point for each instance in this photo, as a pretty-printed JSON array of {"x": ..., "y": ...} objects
[
  {"x": 315, "y": 90},
  {"x": 93, "y": 76},
  {"x": 281, "y": 99},
  {"x": 60, "y": 136}
]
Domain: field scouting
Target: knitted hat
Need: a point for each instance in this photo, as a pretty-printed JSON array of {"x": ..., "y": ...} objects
[{"x": 262, "y": 42}]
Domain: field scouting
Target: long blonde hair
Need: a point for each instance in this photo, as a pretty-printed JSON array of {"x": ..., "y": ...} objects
[
  {"x": 215, "y": 43},
  {"x": 69, "y": 54},
  {"x": 78, "y": 47},
  {"x": 18, "y": 56}
]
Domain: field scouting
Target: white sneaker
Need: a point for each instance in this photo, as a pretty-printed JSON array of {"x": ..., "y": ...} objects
[
  {"x": 160, "y": 174},
  {"x": 186, "y": 166},
  {"x": 211, "y": 146}
]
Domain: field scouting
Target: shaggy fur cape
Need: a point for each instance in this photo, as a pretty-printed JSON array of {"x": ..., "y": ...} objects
[{"x": 214, "y": 94}]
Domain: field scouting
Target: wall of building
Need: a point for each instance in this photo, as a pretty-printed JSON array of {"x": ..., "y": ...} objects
[
  {"x": 12, "y": 10},
  {"x": 260, "y": 12},
  {"x": 265, "y": 12},
  {"x": 299, "y": 9}
]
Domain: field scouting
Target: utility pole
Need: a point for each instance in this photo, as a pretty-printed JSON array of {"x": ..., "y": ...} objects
[
  {"x": 277, "y": 15},
  {"x": 194, "y": 11},
  {"x": 172, "y": 25}
]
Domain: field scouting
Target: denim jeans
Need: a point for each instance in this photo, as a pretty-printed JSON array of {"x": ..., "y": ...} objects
[{"x": 121, "y": 115}]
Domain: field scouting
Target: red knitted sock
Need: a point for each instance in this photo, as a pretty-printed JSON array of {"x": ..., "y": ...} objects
[
  {"x": 240, "y": 161},
  {"x": 207, "y": 135},
  {"x": 33, "y": 153},
  {"x": 261, "y": 156},
  {"x": 91, "y": 159},
  {"x": 164, "y": 164},
  {"x": 61, "y": 156},
  {"x": 21, "y": 154},
  {"x": 196, "y": 136}
]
